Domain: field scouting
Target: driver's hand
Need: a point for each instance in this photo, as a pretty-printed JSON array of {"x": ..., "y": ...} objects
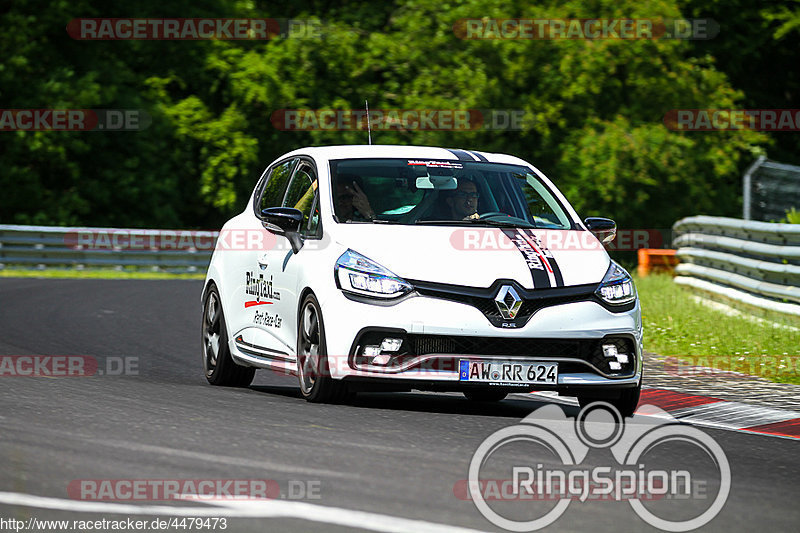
[
  {"x": 360, "y": 201},
  {"x": 473, "y": 215}
]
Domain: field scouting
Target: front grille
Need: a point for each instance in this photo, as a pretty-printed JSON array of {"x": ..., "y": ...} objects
[
  {"x": 426, "y": 344},
  {"x": 488, "y": 307},
  {"x": 483, "y": 298},
  {"x": 589, "y": 350},
  {"x": 415, "y": 346}
]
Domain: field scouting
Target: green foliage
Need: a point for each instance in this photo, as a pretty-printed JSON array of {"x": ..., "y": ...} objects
[
  {"x": 788, "y": 19},
  {"x": 594, "y": 109},
  {"x": 792, "y": 216}
]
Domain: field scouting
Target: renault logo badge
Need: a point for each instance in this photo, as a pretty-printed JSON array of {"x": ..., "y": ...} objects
[{"x": 508, "y": 302}]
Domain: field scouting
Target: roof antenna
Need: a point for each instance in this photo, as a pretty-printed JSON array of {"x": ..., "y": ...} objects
[{"x": 369, "y": 128}]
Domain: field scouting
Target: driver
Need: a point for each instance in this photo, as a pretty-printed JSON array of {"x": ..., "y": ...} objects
[{"x": 463, "y": 202}]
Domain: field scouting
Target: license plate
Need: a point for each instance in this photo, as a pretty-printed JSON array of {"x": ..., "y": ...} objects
[{"x": 507, "y": 372}]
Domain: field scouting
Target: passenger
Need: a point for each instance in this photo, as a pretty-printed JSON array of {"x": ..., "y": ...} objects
[{"x": 352, "y": 205}]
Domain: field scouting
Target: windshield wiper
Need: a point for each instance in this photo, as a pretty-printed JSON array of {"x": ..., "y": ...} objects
[
  {"x": 504, "y": 224},
  {"x": 444, "y": 222},
  {"x": 473, "y": 221}
]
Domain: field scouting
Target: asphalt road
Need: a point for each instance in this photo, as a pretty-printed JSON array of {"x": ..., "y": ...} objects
[{"x": 396, "y": 457}]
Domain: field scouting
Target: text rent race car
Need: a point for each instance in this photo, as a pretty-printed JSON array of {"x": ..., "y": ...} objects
[{"x": 403, "y": 267}]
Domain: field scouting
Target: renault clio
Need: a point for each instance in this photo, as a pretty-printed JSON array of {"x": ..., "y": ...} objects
[{"x": 403, "y": 267}]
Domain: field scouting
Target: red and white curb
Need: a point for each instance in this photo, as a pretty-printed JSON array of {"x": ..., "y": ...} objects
[{"x": 706, "y": 411}]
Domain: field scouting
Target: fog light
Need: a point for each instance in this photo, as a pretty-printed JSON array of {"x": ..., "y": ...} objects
[
  {"x": 391, "y": 345},
  {"x": 613, "y": 365},
  {"x": 371, "y": 351},
  {"x": 622, "y": 358},
  {"x": 381, "y": 359},
  {"x": 610, "y": 350}
]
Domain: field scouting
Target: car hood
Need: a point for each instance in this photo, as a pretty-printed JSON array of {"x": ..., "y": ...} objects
[{"x": 478, "y": 256}]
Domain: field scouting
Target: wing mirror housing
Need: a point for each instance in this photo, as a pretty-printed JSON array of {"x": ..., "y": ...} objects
[
  {"x": 604, "y": 229},
  {"x": 285, "y": 218},
  {"x": 288, "y": 220}
]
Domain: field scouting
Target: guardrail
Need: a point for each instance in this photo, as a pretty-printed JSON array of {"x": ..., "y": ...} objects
[
  {"x": 757, "y": 263},
  {"x": 156, "y": 250},
  {"x": 769, "y": 190}
]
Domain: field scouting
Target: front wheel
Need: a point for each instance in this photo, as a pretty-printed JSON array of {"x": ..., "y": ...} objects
[
  {"x": 218, "y": 365},
  {"x": 316, "y": 383},
  {"x": 626, "y": 403}
]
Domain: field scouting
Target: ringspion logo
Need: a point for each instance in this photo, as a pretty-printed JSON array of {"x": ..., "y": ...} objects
[{"x": 542, "y": 459}]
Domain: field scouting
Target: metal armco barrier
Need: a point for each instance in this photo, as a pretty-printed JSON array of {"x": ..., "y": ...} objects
[
  {"x": 769, "y": 189},
  {"x": 757, "y": 263},
  {"x": 53, "y": 246}
]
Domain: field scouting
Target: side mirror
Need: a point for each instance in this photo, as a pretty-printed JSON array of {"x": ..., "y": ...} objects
[
  {"x": 604, "y": 229},
  {"x": 286, "y": 218}
]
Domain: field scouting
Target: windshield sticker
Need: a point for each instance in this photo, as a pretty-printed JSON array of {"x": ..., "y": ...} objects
[{"x": 435, "y": 164}]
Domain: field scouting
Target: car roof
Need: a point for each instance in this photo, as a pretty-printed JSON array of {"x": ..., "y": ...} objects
[{"x": 359, "y": 151}]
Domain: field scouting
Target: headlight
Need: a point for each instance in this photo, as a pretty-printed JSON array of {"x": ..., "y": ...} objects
[
  {"x": 617, "y": 286},
  {"x": 359, "y": 275}
]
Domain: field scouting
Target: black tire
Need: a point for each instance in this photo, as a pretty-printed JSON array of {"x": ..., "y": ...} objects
[
  {"x": 218, "y": 365},
  {"x": 485, "y": 395},
  {"x": 626, "y": 403},
  {"x": 313, "y": 372}
]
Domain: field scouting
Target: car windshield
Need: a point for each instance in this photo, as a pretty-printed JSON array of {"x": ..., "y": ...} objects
[{"x": 442, "y": 192}]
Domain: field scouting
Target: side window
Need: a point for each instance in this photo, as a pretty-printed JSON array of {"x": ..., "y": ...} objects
[
  {"x": 275, "y": 187},
  {"x": 302, "y": 194},
  {"x": 313, "y": 222}
]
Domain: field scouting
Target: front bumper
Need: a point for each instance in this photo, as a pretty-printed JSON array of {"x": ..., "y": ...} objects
[{"x": 438, "y": 333}]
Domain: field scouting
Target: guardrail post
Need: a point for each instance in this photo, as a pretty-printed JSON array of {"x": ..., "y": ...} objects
[{"x": 747, "y": 184}]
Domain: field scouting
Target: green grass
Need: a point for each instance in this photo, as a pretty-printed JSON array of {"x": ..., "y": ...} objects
[
  {"x": 678, "y": 326},
  {"x": 95, "y": 274}
]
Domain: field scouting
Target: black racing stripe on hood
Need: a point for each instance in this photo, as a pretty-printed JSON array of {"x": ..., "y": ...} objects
[
  {"x": 538, "y": 273},
  {"x": 549, "y": 257}
]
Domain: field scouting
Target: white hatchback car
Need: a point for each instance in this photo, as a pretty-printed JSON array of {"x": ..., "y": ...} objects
[{"x": 406, "y": 267}]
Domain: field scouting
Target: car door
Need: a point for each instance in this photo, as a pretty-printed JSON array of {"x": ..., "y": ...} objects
[
  {"x": 302, "y": 194},
  {"x": 258, "y": 293}
]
